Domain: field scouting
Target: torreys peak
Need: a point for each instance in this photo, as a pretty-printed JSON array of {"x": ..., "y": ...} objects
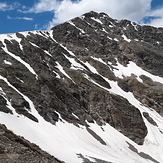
[{"x": 87, "y": 90}]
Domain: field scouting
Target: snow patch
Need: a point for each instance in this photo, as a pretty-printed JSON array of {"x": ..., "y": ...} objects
[
  {"x": 57, "y": 75},
  {"x": 21, "y": 61},
  {"x": 70, "y": 52},
  {"x": 7, "y": 62},
  {"x": 103, "y": 29},
  {"x": 75, "y": 116},
  {"x": 97, "y": 20},
  {"x": 51, "y": 35},
  {"x": 25, "y": 33},
  {"x": 20, "y": 80},
  {"x": 47, "y": 53},
  {"x": 33, "y": 111},
  {"x": 74, "y": 65},
  {"x": 90, "y": 67},
  {"x": 10, "y": 37},
  {"x": 109, "y": 38},
  {"x": 110, "y": 26},
  {"x": 134, "y": 25},
  {"x": 7, "y": 101},
  {"x": 125, "y": 38},
  {"x": 99, "y": 59},
  {"x": 34, "y": 45},
  {"x": 82, "y": 17},
  {"x": 115, "y": 39},
  {"x": 131, "y": 68},
  {"x": 81, "y": 30},
  {"x": 62, "y": 70}
]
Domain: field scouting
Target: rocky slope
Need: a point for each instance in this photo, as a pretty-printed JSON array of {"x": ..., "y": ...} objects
[
  {"x": 89, "y": 89},
  {"x": 15, "y": 149}
]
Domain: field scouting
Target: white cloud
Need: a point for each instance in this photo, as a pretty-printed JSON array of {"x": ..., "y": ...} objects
[
  {"x": 157, "y": 22},
  {"x": 157, "y": 17},
  {"x": 9, "y": 17},
  {"x": 64, "y": 10},
  {"x": 44, "y": 6},
  {"x": 127, "y": 9},
  {"x": 21, "y": 18},
  {"x": 156, "y": 12},
  {"x": 24, "y": 18},
  {"x": 4, "y": 6}
]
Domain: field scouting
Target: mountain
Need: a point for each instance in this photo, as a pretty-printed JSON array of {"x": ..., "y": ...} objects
[{"x": 88, "y": 90}]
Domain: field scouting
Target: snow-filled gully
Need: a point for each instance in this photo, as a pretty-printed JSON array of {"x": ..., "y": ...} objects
[
  {"x": 2, "y": 38},
  {"x": 154, "y": 138}
]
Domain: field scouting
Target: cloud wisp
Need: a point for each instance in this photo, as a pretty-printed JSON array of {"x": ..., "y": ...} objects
[
  {"x": 6, "y": 7},
  {"x": 42, "y": 6},
  {"x": 20, "y": 18}
]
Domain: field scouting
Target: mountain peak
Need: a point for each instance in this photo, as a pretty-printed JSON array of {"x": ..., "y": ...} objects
[
  {"x": 88, "y": 85},
  {"x": 94, "y": 14}
]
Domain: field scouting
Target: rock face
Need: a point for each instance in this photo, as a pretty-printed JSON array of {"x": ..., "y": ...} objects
[{"x": 65, "y": 72}]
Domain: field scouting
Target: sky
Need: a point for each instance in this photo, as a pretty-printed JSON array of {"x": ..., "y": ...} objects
[{"x": 19, "y": 15}]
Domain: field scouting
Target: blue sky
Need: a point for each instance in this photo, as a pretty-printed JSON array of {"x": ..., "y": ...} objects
[{"x": 29, "y": 15}]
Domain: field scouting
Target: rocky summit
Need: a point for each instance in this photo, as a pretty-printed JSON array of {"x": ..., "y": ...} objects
[{"x": 89, "y": 90}]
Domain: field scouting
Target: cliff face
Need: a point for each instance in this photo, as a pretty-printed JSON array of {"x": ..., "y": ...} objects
[{"x": 86, "y": 76}]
